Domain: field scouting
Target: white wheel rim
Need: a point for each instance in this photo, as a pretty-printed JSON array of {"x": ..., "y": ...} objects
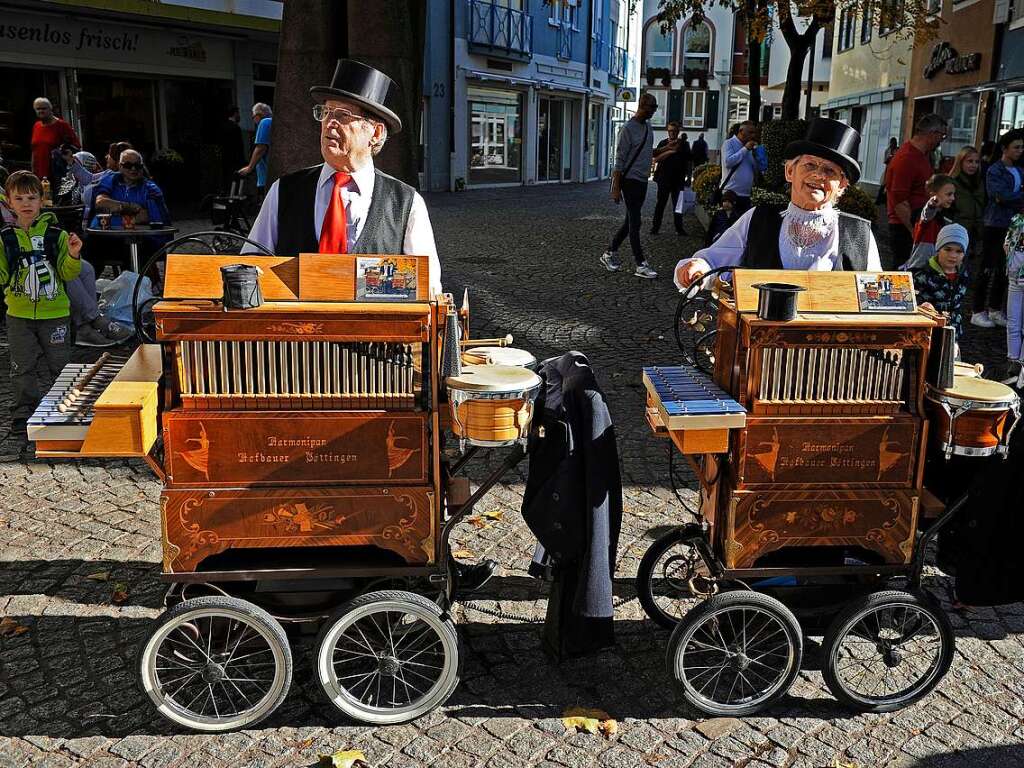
[
  {"x": 388, "y": 661},
  {"x": 746, "y": 658},
  {"x": 887, "y": 653},
  {"x": 223, "y": 652}
]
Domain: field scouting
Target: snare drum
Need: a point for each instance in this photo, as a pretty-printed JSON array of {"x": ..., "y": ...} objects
[
  {"x": 973, "y": 418},
  {"x": 499, "y": 356},
  {"x": 492, "y": 405}
]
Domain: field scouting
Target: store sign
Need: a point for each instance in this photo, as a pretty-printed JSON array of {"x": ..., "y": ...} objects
[
  {"x": 945, "y": 57},
  {"x": 625, "y": 94},
  {"x": 67, "y": 41}
]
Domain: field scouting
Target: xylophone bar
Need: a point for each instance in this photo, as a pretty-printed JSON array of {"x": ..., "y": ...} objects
[{"x": 688, "y": 400}]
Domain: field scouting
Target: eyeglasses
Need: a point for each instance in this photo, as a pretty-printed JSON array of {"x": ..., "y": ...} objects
[
  {"x": 322, "y": 114},
  {"x": 827, "y": 172},
  {"x": 131, "y": 166}
]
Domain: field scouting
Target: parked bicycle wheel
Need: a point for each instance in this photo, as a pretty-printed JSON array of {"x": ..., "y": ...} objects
[
  {"x": 216, "y": 664},
  {"x": 736, "y": 653},
  {"x": 886, "y": 650},
  {"x": 388, "y": 657}
]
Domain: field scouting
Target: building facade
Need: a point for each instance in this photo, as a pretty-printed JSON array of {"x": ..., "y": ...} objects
[
  {"x": 1009, "y": 88},
  {"x": 524, "y": 92},
  {"x": 688, "y": 69},
  {"x": 870, "y": 65}
]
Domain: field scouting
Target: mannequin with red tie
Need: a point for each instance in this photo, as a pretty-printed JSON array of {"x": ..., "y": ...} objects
[{"x": 346, "y": 205}]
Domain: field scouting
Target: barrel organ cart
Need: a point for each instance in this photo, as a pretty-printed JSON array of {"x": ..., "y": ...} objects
[{"x": 809, "y": 438}]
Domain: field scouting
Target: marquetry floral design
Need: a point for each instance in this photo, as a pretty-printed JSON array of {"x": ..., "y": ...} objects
[
  {"x": 299, "y": 517},
  {"x": 300, "y": 329}
]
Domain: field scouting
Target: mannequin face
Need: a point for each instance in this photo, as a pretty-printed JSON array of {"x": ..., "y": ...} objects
[
  {"x": 816, "y": 182},
  {"x": 346, "y": 144}
]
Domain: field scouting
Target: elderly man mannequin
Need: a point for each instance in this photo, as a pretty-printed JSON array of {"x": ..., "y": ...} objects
[
  {"x": 345, "y": 205},
  {"x": 811, "y": 233}
]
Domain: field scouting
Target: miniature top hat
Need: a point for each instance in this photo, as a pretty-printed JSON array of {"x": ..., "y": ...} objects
[
  {"x": 361, "y": 83},
  {"x": 831, "y": 140}
]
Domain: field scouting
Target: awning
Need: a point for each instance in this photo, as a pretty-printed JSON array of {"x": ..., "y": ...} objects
[{"x": 512, "y": 80}]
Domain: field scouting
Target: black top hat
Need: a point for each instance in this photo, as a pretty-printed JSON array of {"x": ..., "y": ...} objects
[
  {"x": 364, "y": 85},
  {"x": 832, "y": 140}
]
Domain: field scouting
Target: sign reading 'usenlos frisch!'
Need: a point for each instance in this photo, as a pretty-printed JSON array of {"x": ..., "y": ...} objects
[{"x": 945, "y": 57}]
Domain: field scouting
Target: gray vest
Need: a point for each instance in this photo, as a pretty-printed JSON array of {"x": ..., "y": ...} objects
[
  {"x": 382, "y": 232},
  {"x": 766, "y": 223}
]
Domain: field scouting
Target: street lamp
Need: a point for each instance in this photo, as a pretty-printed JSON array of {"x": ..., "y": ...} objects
[{"x": 722, "y": 75}]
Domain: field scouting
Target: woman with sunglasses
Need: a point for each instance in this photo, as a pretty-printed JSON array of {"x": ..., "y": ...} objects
[{"x": 811, "y": 233}]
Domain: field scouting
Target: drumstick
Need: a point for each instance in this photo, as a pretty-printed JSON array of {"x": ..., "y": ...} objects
[
  {"x": 503, "y": 342},
  {"x": 92, "y": 371}
]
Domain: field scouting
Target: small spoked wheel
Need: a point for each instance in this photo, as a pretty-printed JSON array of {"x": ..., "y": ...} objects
[
  {"x": 215, "y": 664},
  {"x": 388, "y": 657},
  {"x": 887, "y": 650},
  {"x": 736, "y": 653},
  {"x": 663, "y": 578}
]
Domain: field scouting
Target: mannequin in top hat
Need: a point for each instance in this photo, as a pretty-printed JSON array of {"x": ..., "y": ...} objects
[
  {"x": 345, "y": 205},
  {"x": 811, "y": 233}
]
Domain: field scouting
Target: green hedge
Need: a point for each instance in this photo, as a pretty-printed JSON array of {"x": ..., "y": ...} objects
[
  {"x": 706, "y": 179},
  {"x": 776, "y": 135},
  {"x": 858, "y": 202}
]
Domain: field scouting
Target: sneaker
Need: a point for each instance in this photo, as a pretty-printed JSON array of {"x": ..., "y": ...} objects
[
  {"x": 997, "y": 317},
  {"x": 87, "y": 336},
  {"x": 611, "y": 261},
  {"x": 644, "y": 270},
  {"x": 112, "y": 329},
  {"x": 982, "y": 320},
  {"x": 1014, "y": 371}
]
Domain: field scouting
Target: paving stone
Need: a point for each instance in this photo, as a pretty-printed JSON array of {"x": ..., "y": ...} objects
[{"x": 717, "y": 727}]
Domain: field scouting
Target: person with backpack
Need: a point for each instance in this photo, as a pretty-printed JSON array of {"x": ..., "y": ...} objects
[{"x": 36, "y": 258}]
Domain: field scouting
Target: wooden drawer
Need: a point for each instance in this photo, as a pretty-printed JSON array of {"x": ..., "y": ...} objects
[
  {"x": 198, "y": 524},
  {"x": 212, "y": 449},
  {"x": 759, "y": 522},
  {"x": 874, "y": 452}
]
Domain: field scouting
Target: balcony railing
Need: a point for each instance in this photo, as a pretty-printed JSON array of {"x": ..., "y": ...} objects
[
  {"x": 616, "y": 64},
  {"x": 495, "y": 29}
]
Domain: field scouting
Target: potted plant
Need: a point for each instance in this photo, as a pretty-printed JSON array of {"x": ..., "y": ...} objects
[
  {"x": 666, "y": 79},
  {"x": 656, "y": 73}
]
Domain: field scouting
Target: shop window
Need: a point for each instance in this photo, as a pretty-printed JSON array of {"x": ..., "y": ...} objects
[
  {"x": 658, "y": 48},
  {"x": 697, "y": 47},
  {"x": 495, "y": 137},
  {"x": 694, "y": 109}
]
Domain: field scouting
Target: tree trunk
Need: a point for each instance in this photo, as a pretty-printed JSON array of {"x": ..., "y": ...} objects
[
  {"x": 392, "y": 40},
  {"x": 753, "y": 61},
  {"x": 314, "y": 35},
  {"x": 799, "y": 45}
]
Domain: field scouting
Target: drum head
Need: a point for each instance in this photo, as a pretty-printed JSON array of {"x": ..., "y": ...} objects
[
  {"x": 494, "y": 378},
  {"x": 504, "y": 356},
  {"x": 979, "y": 390}
]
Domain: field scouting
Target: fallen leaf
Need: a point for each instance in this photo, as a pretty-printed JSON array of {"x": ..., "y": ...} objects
[
  {"x": 494, "y": 514},
  {"x": 590, "y": 720},
  {"x": 119, "y": 594},
  {"x": 99, "y": 576},
  {"x": 464, "y": 553},
  {"x": 352, "y": 758},
  {"x": 477, "y": 522},
  {"x": 10, "y": 628}
]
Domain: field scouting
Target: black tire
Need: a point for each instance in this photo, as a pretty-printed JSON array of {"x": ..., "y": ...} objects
[
  {"x": 189, "y": 654},
  {"x": 726, "y": 636},
  {"x": 376, "y": 708},
  {"x": 660, "y": 586},
  {"x": 882, "y": 624}
]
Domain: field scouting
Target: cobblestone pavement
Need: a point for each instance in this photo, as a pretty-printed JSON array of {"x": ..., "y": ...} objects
[{"x": 68, "y": 694}]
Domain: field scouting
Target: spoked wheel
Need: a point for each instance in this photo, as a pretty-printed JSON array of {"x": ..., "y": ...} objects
[
  {"x": 216, "y": 664},
  {"x": 887, "y": 650},
  {"x": 663, "y": 578},
  {"x": 736, "y": 653},
  {"x": 388, "y": 657}
]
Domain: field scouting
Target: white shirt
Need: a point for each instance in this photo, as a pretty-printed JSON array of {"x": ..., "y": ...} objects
[
  {"x": 356, "y": 195},
  {"x": 727, "y": 251}
]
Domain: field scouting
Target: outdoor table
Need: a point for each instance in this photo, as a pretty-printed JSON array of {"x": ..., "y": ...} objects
[{"x": 133, "y": 236}]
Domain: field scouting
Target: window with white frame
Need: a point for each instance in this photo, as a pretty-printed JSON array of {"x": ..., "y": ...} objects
[
  {"x": 597, "y": 22},
  {"x": 658, "y": 48},
  {"x": 694, "y": 105},
  {"x": 555, "y": 12},
  {"x": 570, "y": 14},
  {"x": 846, "y": 25},
  {"x": 866, "y": 22},
  {"x": 697, "y": 47}
]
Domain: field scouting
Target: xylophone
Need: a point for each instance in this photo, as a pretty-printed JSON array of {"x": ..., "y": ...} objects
[
  {"x": 67, "y": 411},
  {"x": 695, "y": 412}
]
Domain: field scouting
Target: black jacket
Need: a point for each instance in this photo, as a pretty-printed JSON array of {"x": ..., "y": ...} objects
[{"x": 573, "y": 503}]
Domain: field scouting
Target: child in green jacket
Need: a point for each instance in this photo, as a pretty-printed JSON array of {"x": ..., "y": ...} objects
[{"x": 36, "y": 257}]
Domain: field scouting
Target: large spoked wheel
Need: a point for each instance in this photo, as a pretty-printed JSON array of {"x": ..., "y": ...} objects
[
  {"x": 216, "y": 664},
  {"x": 388, "y": 657},
  {"x": 663, "y": 578},
  {"x": 887, "y": 650},
  {"x": 736, "y": 653}
]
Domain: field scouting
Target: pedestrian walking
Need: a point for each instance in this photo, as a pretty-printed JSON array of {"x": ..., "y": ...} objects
[
  {"x": 671, "y": 156},
  {"x": 1005, "y": 199},
  {"x": 633, "y": 155},
  {"x": 906, "y": 176},
  {"x": 687, "y": 152},
  {"x": 739, "y": 166},
  {"x": 889, "y": 152},
  {"x": 262, "y": 116},
  {"x": 699, "y": 151}
]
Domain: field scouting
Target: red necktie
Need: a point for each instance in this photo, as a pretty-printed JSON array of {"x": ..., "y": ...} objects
[{"x": 335, "y": 227}]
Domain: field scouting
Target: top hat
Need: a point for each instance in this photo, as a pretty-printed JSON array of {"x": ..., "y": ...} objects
[
  {"x": 831, "y": 140},
  {"x": 361, "y": 83}
]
